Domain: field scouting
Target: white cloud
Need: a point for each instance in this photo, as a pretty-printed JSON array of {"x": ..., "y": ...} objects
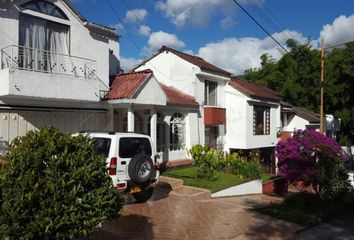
[
  {"x": 197, "y": 12},
  {"x": 119, "y": 27},
  {"x": 341, "y": 30},
  {"x": 238, "y": 54},
  {"x": 136, "y": 15},
  {"x": 227, "y": 22},
  {"x": 144, "y": 30},
  {"x": 160, "y": 38},
  {"x": 128, "y": 64}
]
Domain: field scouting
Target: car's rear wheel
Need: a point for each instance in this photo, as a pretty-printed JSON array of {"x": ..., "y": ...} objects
[
  {"x": 140, "y": 168},
  {"x": 144, "y": 195}
]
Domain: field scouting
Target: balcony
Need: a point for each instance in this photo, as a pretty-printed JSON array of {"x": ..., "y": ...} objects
[
  {"x": 37, "y": 73},
  {"x": 214, "y": 116}
]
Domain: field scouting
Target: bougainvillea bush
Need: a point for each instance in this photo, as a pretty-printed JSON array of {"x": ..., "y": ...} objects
[{"x": 315, "y": 159}]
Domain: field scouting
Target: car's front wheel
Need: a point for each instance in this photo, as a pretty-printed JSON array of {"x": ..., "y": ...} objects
[{"x": 144, "y": 195}]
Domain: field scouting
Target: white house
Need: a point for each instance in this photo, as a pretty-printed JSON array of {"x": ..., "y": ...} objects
[
  {"x": 253, "y": 118},
  {"x": 203, "y": 81},
  {"x": 297, "y": 118},
  {"x": 50, "y": 74},
  {"x": 143, "y": 104}
]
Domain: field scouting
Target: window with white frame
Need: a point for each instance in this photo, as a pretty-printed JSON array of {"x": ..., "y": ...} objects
[
  {"x": 177, "y": 132},
  {"x": 261, "y": 120},
  {"x": 210, "y": 93}
]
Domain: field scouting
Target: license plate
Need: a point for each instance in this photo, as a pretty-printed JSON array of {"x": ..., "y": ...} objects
[{"x": 135, "y": 189}]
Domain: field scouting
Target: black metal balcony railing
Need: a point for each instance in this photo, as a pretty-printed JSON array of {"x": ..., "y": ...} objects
[{"x": 39, "y": 60}]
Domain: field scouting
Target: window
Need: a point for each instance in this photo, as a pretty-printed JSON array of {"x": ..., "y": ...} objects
[
  {"x": 45, "y": 8},
  {"x": 130, "y": 146},
  {"x": 177, "y": 132},
  {"x": 261, "y": 120},
  {"x": 39, "y": 40},
  {"x": 210, "y": 93},
  {"x": 211, "y": 136},
  {"x": 102, "y": 145}
]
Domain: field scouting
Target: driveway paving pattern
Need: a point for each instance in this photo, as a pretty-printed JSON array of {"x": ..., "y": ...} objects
[{"x": 169, "y": 215}]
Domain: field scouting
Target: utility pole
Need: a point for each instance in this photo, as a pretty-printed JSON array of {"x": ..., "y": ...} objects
[{"x": 322, "y": 75}]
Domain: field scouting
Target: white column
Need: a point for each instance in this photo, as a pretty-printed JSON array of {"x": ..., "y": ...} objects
[
  {"x": 153, "y": 126},
  {"x": 130, "y": 119}
]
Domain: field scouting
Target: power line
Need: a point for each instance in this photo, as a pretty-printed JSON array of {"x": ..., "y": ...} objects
[
  {"x": 278, "y": 21},
  {"x": 259, "y": 25},
  {"x": 266, "y": 18}
]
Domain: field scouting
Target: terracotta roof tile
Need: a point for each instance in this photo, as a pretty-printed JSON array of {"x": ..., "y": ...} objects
[
  {"x": 198, "y": 61},
  {"x": 126, "y": 85},
  {"x": 254, "y": 90},
  {"x": 177, "y": 97}
]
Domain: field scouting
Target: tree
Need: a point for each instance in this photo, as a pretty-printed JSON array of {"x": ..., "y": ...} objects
[
  {"x": 54, "y": 186},
  {"x": 315, "y": 159},
  {"x": 297, "y": 77}
]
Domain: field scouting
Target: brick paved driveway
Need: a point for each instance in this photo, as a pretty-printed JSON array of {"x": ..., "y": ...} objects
[{"x": 174, "y": 216}]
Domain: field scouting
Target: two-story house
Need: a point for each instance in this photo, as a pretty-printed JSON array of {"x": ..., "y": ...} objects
[
  {"x": 200, "y": 80},
  {"x": 55, "y": 66},
  {"x": 253, "y": 119}
]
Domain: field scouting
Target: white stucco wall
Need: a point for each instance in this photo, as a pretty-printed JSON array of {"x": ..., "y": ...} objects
[
  {"x": 295, "y": 123},
  {"x": 236, "y": 119},
  {"x": 39, "y": 85},
  {"x": 151, "y": 93},
  {"x": 239, "y": 126}
]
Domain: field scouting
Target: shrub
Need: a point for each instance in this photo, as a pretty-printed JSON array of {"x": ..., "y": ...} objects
[
  {"x": 315, "y": 159},
  {"x": 206, "y": 160},
  {"x": 54, "y": 186},
  {"x": 210, "y": 160}
]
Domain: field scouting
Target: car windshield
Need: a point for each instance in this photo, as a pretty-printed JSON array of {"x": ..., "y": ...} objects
[
  {"x": 130, "y": 146},
  {"x": 102, "y": 145}
]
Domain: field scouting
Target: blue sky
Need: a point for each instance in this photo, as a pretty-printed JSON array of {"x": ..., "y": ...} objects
[{"x": 218, "y": 30}]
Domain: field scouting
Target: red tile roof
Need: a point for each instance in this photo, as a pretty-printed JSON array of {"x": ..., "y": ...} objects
[
  {"x": 126, "y": 85},
  {"x": 254, "y": 90},
  {"x": 198, "y": 61},
  {"x": 177, "y": 97}
]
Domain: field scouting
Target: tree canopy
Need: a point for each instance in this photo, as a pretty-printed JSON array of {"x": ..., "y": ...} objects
[{"x": 297, "y": 77}]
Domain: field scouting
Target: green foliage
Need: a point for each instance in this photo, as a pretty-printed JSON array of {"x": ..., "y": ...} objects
[
  {"x": 297, "y": 77},
  {"x": 308, "y": 208},
  {"x": 208, "y": 160},
  {"x": 54, "y": 186}
]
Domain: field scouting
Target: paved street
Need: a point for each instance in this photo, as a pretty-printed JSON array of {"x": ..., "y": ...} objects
[
  {"x": 341, "y": 228},
  {"x": 171, "y": 215}
]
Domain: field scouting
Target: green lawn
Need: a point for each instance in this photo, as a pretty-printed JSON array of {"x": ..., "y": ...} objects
[
  {"x": 189, "y": 176},
  {"x": 307, "y": 209}
]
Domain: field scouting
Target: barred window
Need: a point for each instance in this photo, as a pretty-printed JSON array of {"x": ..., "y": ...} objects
[
  {"x": 160, "y": 133},
  {"x": 261, "y": 120},
  {"x": 177, "y": 132}
]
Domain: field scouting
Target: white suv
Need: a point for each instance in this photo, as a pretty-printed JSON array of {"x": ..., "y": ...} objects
[{"x": 131, "y": 161}]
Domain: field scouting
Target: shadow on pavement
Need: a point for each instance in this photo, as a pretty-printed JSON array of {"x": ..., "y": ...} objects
[
  {"x": 270, "y": 228},
  {"x": 126, "y": 227}
]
